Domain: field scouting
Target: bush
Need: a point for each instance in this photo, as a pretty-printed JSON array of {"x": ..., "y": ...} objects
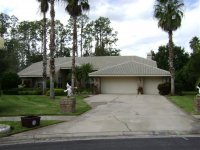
[
  {"x": 83, "y": 90},
  {"x": 58, "y": 92},
  {"x": 10, "y": 80},
  {"x": 30, "y": 91},
  {"x": 23, "y": 91},
  {"x": 11, "y": 92},
  {"x": 164, "y": 88},
  {"x": 178, "y": 88},
  {"x": 48, "y": 84}
]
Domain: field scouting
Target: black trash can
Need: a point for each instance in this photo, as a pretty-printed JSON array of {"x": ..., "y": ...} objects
[{"x": 30, "y": 121}]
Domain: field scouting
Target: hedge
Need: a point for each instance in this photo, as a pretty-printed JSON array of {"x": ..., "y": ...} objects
[
  {"x": 58, "y": 92},
  {"x": 23, "y": 91},
  {"x": 164, "y": 88}
]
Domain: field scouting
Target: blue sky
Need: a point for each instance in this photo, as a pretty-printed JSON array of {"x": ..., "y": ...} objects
[{"x": 133, "y": 19}]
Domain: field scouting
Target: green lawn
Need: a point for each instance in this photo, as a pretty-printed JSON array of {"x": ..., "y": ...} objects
[
  {"x": 186, "y": 102},
  {"x": 17, "y": 128},
  {"x": 17, "y": 105}
]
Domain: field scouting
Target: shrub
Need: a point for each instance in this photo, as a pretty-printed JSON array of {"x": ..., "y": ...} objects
[
  {"x": 164, "y": 88},
  {"x": 58, "y": 92},
  {"x": 10, "y": 92},
  {"x": 48, "y": 84},
  {"x": 178, "y": 88},
  {"x": 10, "y": 80},
  {"x": 23, "y": 91},
  {"x": 83, "y": 90},
  {"x": 30, "y": 91}
]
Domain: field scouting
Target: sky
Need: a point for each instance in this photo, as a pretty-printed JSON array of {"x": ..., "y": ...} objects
[{"x": 138, "y": 31}]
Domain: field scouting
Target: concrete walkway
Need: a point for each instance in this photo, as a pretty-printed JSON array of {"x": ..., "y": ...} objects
[
  {"x": 117, "y": 115},
  {"x": 18, "y": 118}
]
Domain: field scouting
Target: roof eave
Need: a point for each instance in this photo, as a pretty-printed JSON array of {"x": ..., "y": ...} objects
[
  {"x": 33, "y": 76},
  {"x": 130, "y": 75}
]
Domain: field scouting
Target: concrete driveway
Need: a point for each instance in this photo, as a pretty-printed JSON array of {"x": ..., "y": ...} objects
[{"x": 124, "y": 114}]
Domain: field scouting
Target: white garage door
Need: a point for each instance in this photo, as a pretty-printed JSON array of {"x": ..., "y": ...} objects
[
  {"x": 119, "y": 85},
  {"x": 151, "y": 84}
]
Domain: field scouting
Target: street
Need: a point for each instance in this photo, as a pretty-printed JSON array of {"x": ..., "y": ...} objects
[{"x": 182, "y": 143}]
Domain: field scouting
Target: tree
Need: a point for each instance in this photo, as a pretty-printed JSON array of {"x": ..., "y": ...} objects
[
  {"x": 82, "y": 74},
  {"x": 180, "y": 57},
  {"x": 75, "y": 9},
  {"x": 52, "y": 49},
  {"x": 4, "y": 24},
  {"x": 104, "y": 37},
  {"x": 88, "y": 39},
  {"x": 82, "y": 22},
  {"x": 191, "y": 73},
  {"x": 169, "y": 14},
  {"x": 62, "y": 36},
  {"x": 44, "y": 7},
  {"x": 10, "y": 80},
  {"x": 195, "y": 45}
]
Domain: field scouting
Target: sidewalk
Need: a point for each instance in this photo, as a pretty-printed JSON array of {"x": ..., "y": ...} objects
[
  {"x": 60, "y": 118},
  {"x": 196, "y": 116}
]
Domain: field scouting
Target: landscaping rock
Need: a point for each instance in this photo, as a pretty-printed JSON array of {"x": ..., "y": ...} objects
[{"x": 4, "y": 128}]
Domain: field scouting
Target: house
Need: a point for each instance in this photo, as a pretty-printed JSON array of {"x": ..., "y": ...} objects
[{"x": 112, "y": 74}]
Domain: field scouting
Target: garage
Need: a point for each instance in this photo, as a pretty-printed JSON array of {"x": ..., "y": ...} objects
[
  {"x": 151, "y": 84},
  {"x": 118, "y": 85},
  {"x": 125, "y": 78}
]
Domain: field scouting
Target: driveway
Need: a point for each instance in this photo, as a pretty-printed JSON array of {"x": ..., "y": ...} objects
[{"x": 125, "y": 114}]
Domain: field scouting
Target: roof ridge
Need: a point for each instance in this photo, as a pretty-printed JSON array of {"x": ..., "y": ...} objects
[
  {"x": 113, "y": 66},
  {"x": 152, "y": 66},
  {"x": 132, "y": 62}
]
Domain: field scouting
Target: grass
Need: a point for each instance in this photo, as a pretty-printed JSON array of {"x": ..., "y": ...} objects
[
  {"x": 19, "y": 105},
  {"x": 186, "y": 102},
  {"x": 17, "y": 128}
]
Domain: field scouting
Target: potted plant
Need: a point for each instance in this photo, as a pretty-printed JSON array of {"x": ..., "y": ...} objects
[{"x": 140, "y": 90}]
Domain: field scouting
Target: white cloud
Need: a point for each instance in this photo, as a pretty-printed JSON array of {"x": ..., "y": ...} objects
[{"x": 133, "y": 19}]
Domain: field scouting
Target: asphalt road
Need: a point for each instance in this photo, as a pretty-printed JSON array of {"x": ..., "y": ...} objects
[{"x": 115, "y": 144}]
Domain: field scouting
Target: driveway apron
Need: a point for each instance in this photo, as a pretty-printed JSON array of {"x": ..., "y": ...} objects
[{"x": 124, "y": 114}]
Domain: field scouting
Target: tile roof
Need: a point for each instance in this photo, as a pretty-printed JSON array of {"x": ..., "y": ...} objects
[
  {"x": 98, "y": 62},
  {"x": 130, "y": 68}
]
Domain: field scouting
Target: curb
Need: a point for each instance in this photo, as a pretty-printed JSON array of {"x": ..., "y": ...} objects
[{"x": 13, "y": 140}]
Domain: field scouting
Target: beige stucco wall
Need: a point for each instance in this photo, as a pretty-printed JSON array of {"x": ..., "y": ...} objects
[
  {"x": 129, "y": 85},
  {"x": 151, "y": 84},
  {"x": 118, "y": 85}
]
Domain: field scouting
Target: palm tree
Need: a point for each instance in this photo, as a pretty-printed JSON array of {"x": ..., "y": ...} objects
[
  {"x": 169, "y": 14},
  {"x": 75, "y": 9},
  {"x": 44, "y": 7},
  {"x": 195, "y": 45},
  {"x": 52, "y": 49}
]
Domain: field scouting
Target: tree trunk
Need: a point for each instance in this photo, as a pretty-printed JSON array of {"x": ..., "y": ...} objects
[
  {"x": 52, "y": 50},
  {"x": 82, "y": 38},
  {"x": 171, "y": 63},
  {"x": 44, "y": 55},
  {"x": 74, "y": 49}
]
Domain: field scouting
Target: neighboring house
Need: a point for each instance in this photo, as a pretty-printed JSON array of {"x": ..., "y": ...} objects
[{"x": 112, "y": 74}]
